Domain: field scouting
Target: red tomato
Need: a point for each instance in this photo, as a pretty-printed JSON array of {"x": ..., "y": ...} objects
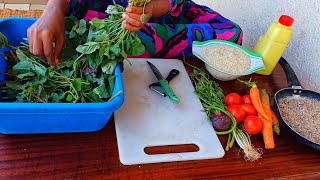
[
  {"x": 232, "y": 98},
  {"x": 249, "y": 109},
  {"x": 252, "y": 124},
  {"x": 237, "y": 112},
  {"x": 246, "y": 99}
]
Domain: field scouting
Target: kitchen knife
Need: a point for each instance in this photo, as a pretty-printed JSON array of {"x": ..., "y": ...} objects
[{"x": 164, "y": 84}]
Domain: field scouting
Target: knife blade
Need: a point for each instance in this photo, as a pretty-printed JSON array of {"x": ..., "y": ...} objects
[{"x": 164, "y": 83}]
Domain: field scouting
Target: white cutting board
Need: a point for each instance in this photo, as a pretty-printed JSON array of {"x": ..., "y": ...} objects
[{"x": 149, "y": 119}]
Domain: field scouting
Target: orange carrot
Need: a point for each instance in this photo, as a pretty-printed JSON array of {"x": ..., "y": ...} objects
[
  {"x": 265, "y": 101},
  {"x": 262, "y": 114},
  {"x": 274, "y": 118},
  {"x": 275, "y": 123},
  {"x": 267, "y": 133},
  {"x": 255, "y": 98},
  {"x": 266, "y": 105},
  {"x": 266, "y": 121}
]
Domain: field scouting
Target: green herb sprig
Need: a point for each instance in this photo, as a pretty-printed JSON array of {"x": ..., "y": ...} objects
[{"x": 211, "y": 97}]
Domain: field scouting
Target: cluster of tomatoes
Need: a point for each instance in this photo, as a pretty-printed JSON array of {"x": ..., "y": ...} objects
[{"x": 243, "y": 111}]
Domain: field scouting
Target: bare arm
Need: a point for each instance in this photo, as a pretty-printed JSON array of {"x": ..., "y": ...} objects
[
  {"x": 57, "y": 5},
  {"x": 160, "y": 8},
  {"x": 49, "y": 29}
]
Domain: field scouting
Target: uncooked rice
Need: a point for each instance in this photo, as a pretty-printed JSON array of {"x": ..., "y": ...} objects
[
  {"x": 227, "y": 59},
  {"x": 302, "y": 115}
]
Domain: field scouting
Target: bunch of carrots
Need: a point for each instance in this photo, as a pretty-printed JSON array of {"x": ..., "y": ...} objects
[{"x": 261, "y": 102}]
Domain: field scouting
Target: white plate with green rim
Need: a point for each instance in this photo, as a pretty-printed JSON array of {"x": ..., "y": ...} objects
[{"x": 256, "y": 61}]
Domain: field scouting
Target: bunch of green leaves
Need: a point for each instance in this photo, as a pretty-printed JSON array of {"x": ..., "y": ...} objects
[
  {"x": 109, "y": 40},
  {"x": 211, "y": 96},
  {"x": 208, "y": 91},
  {"x": 33, "y": 80}
]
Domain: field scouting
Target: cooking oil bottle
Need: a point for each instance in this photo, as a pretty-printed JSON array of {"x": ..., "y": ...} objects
[{"x": 272, "y": 44}]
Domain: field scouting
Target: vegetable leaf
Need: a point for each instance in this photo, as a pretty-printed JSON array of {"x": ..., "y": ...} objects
[
  {"x": 23, "y": 67},
  {"x": 94, "y": 97},
  {"x": 115, "y": 49},
  {"x": 40, "y": 70},
  {"x": 114, "y": 9},
  {"x": 82, "y": 27},
  {"x": 109, "y": 67},
  {"x": 134, "y": 47},
  {"x": 94, "y": 59},
  {"x": 67, "y": 53},
  {"x": 69, "y": 22},
  {"x": 101, "y": 91},
  {"x": 3, "y": 41},
  {"x": 77, "y": 83},
  {"x": 100, "y": 35},
  {"x": 14, "y": 85},
  {"x": 138, "y": 47},
  {"x": 69, "y": 97},
  {"x": 143, "y": 18},
  {"x": 56, "y": 97},
  {"x": 22, "y": 56},
  {"x": 111, "y": 81},
  {"x": 66, "y": 73},
  {"x": 98, "y": 23},
  {"x": 50, "y": 72},
  {"x": 90, "y": 34},
  {"x": 42, "y": 79},
  {"x": 21, "y": 76},
  {"x": 104, "y": 51},
  {"x": 88, "y": 47}
]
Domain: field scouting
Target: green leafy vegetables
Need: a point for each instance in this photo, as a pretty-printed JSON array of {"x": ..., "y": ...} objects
[
  {"x": 211, "y": 97},
  {"x": 86, "y": 65}
]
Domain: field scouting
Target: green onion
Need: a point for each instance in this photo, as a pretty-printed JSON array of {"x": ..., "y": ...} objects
[{"x": 243, "y": 140}]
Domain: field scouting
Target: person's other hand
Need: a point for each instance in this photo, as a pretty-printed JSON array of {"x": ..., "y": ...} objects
[
  {"x": 46, "y": 35},
  {"x": 132, "y": 17}
]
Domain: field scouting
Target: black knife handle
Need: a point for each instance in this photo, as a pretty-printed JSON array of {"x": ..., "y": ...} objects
[{"x": 173, "y": 73}]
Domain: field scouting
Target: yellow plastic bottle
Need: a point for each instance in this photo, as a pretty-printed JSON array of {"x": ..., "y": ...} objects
[{"x": 272, "y": 45}]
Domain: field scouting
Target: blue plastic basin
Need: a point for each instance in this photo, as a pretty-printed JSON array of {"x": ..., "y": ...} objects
[{"x": 34, "y": 118}]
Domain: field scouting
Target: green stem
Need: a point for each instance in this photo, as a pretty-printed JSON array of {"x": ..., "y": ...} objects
[
  {"x": 114, "y": 96},
  {"x": 122, "y": 36},
  {"x": 118, "y": 35},
  {"x": 58, "y": 75},
  {"x": 76, "y": 96},
  {"x": 114, "y": 21},
  {"x": 116, "y": 24},
  {"x": 232, "y": 141},
  {"x": 248, "y": 83},
  {"x": 229, "y": 138},
  {"x": 8, "y": 74},
  {"x": 37, "y": 97}
]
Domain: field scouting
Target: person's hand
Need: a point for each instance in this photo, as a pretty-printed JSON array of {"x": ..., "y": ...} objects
[
  {"x": 132, "y": 17},
  {"x": 48, "y": 29}
]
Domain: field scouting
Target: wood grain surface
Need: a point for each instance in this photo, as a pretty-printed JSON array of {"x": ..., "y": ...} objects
[{"x": 95, "y": 155}]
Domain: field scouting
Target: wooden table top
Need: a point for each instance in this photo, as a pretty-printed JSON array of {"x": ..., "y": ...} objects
[{"x": 95, "y": 155}]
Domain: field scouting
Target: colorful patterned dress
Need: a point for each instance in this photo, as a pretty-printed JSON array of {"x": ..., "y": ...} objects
[{"x": 170, "y": 35}]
